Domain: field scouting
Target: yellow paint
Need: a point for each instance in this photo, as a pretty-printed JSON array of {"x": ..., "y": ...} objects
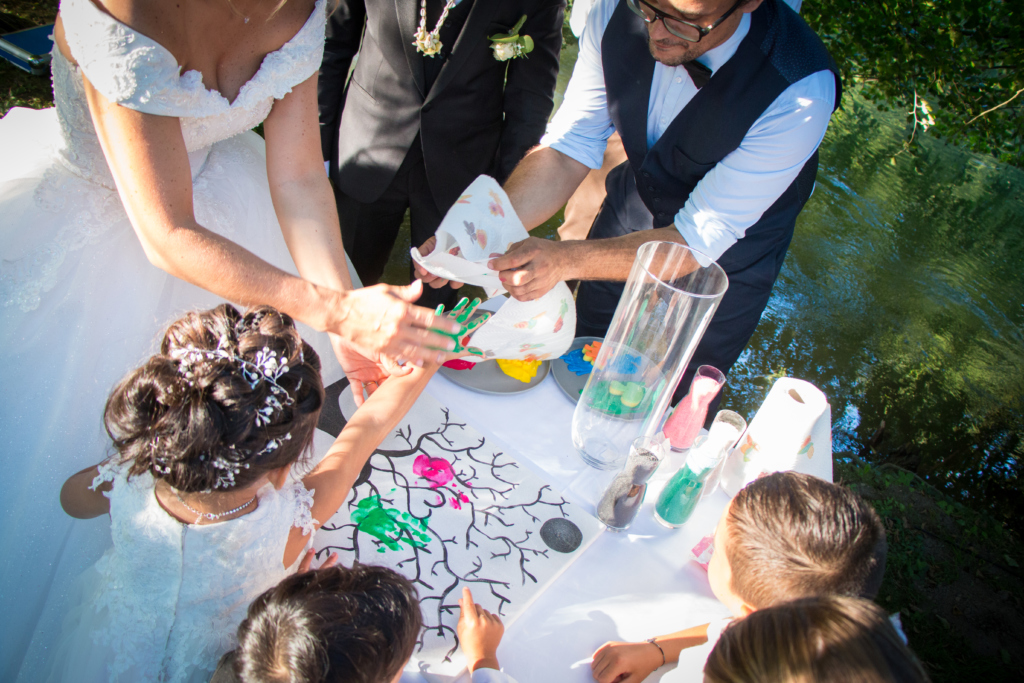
[{"x": 522, "y": 370}]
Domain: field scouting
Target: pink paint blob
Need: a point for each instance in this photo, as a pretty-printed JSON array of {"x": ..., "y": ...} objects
[
  {"x": 683, "y": 426},
  {"x": 437, "y": 471},
  {"x": 463, "y": 498},
  {"x": 455, "y": 503},
  {"x": 459, "y": 364}
]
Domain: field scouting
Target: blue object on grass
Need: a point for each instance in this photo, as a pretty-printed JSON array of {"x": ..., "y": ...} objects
[{"x": 29, "y": 50}]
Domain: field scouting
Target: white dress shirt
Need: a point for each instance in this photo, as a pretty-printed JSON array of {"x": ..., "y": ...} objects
[{"x": 742, "y": 186}]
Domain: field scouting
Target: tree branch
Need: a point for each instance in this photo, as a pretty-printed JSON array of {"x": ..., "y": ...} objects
[{"x": 989, "y": 111}]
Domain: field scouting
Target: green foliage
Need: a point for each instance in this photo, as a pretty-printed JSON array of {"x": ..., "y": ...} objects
[
  {"x": 956, "y": 66},
  {"x": 951, "y": 573}
]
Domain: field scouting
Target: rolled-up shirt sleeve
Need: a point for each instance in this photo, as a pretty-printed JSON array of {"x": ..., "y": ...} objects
[
  {"x": 742, "y": 186},
  {"x": 582, "y": 125}
]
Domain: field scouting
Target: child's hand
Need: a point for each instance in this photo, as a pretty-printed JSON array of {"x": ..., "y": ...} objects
[
  {"x": 625, "y": 662},
  {"x": 479, "y": 634},
  {"x": 307, "y": 561},
  {"x": 463, "y": 315}
]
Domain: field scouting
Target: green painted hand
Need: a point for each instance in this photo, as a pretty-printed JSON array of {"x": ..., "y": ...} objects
[
  {"x": 463, "y": 314},
  {"x": 389, "y": 526}
]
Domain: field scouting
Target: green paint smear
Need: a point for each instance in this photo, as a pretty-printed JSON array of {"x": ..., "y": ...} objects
[{"x": 387, "y": 525}]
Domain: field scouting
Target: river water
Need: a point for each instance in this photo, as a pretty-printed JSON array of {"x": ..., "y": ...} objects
[{"x": 902, "y": 298}]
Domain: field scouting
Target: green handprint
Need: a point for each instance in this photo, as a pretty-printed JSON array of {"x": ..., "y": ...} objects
[{"x": 463, "y": 314}]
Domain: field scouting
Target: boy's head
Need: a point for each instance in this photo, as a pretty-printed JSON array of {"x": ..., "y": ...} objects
[
  {"x": 333, "y": 625},
  {"x": 787, "y": 536},
  {"x": 834, "y": 639}
]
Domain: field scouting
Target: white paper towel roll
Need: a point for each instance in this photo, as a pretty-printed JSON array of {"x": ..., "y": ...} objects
[{"x": 779, "y": 436}]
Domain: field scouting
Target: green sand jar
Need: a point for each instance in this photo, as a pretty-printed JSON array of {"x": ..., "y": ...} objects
[{"x": 683, "y": 491}]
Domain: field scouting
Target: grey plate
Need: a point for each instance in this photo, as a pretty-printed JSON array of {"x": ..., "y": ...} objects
[
  {"x": 568, "y": 381},
  {"x": 487, "y": 378}
]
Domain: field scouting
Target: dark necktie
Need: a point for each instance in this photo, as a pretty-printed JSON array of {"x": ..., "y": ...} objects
[{"x": 698, "y": 72}]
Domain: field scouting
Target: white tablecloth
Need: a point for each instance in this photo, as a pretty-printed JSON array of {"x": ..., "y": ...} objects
[{"x": 628, "y": 585}]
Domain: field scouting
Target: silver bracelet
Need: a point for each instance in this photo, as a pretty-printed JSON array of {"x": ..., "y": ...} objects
[{"x": 653, "y": 642}]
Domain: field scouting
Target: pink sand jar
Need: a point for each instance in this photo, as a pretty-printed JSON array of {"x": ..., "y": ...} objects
[{"x": 685, "y": 423}]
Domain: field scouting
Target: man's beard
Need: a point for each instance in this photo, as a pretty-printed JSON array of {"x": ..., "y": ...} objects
[{"x": 691, "y": 53}]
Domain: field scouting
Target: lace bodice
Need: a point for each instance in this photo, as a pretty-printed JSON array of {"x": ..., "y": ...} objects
[
  {"x": 139, "y": 73},
  {"x": 173, "y": 594}
]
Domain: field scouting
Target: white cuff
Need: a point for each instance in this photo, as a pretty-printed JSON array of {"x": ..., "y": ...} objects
[{"x": 491, "y": 676}]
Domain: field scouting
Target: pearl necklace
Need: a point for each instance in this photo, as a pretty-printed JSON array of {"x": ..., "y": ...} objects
[
  {"x": 429, "y": 43},
  {"x": 212, "y": 516}
]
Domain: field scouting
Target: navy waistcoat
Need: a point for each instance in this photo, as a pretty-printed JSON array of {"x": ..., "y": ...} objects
[{"x": 647, "y": 191}]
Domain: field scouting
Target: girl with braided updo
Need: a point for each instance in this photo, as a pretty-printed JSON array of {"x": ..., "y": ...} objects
[{"x": 204, "y": 515}]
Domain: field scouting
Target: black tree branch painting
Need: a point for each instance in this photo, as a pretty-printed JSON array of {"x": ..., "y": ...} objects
[{"x": 441, "y": 506}]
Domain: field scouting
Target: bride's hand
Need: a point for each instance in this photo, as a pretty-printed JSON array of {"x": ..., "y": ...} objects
[{"x": 382, "y": 324}]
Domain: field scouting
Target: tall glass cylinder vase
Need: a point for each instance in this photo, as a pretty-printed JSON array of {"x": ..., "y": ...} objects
[{"x": 667, "y": 304}]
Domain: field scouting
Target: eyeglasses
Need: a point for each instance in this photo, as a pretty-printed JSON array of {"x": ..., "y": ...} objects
[{"x": 677, "y": 27}]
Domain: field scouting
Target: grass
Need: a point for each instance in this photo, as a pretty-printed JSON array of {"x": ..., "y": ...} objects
[{"x": 953, "y": 574}]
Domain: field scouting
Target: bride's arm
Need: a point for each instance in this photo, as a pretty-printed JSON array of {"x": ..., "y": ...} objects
[
  {"x": 147, "y": 157},
  {"x": 306, "y": 209},
  {"x": 301, "y": 192}
]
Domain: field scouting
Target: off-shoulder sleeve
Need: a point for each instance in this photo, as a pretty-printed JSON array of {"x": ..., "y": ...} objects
[
  {"x": 135, "y": 71},
  {"x": 125, "y": 66},
  {"x": 299, "y": 58}
]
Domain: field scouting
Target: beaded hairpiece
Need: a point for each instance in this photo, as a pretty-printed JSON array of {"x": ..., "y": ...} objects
[{"x": 268, "y": 368}]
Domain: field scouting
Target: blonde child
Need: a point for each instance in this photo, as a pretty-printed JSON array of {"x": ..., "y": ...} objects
[
  {"x": 814, "y": 640},
  {"x": 784, "y": 536},
  {"x": 203, "y": 516}
]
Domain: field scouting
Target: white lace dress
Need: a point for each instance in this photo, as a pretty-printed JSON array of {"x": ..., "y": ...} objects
[
  {"x": 164, "y": 603},
  {"x": 80, "y": 304}
]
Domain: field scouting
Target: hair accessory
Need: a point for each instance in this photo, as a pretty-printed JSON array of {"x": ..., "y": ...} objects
[
  {"x": 652, "y": 641},
  {"x": 266, "y": 368}
]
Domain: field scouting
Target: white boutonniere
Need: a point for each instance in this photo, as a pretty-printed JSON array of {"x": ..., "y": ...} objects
[{"x": 510, "y": 45}]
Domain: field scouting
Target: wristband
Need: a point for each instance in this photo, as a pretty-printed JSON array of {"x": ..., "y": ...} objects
[{"x": 654, "y": 642}]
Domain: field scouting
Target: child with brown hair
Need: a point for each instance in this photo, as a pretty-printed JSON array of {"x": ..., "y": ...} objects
[
  {"x": 349, "y": 625},
  {"x": 814, "y": 640},
  {"x": 784, "y": 536},
  {"x": 203, "y": 514}
]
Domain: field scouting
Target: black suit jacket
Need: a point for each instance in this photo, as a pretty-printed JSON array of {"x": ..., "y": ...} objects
[{"x": 480, "y": 115}]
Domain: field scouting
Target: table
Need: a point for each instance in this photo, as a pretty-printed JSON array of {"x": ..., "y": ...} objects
[{"x": 628, "y": 585}]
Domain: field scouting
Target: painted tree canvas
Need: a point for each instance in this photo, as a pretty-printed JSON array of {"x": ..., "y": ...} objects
[{"x": 449, "y": 508}]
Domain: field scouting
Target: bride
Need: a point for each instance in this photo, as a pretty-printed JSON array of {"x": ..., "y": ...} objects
[{"x": 142, "y": 194}]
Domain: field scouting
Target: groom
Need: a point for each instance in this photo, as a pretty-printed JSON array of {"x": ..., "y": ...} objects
[{"x": 412, "y": 131}]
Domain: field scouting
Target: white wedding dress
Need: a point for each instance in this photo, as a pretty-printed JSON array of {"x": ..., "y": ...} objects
[
  {"x": 80, "y": 304},
  {"x": 164, "y": 603}
]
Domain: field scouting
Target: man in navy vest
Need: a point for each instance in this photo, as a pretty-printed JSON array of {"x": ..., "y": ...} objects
[{"x": 721, "y": 106}]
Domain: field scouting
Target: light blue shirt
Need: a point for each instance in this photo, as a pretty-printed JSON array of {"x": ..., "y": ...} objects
[{"x": 740, "y": 188}]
